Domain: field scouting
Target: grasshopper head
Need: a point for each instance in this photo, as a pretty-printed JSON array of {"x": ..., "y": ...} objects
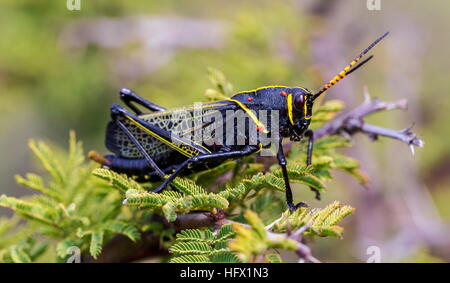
[
  {"x": 299, "y": 106},
  {"x": 300, "y": 102}
]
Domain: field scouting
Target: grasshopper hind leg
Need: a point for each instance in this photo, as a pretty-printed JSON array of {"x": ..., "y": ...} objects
[
  {"x": 129, "y": 97},
  {"x": 116, "y": 112}
]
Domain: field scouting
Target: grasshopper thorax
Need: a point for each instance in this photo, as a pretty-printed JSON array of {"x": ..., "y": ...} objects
[{"x": 293, "y": 106}]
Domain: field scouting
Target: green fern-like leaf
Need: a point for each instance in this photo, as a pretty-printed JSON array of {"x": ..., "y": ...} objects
[
  {"x": 18, "y": 255},
  {"x": 225, "y": 257},
  {"x": 223, "y": 88},
  {"x": 252, "y": 241},
  {"x": 121, "y": 227},
  {"x": 191, "y": 248},
  {"x": 64, "y": 246},
  {"x": 249, "y": 241},
  {"x": 144, "y": 199},
  {"x": 300, "y": 174},
  {"x": 49, "y": 161},
  {"x": 331, "y": 142},
  {"x": 261, "y": 181},
  {"x": 326, "y": 112},
  {"x": 37, "y": 250},
  {"x": 171, "y": 203},
  {"x": 190, "y": 259},
  {"x": 274, "y": 258},
  {"x": 225, "y": 233},
  {"x": 202, "y": 202},
  {"x": 350, "y": 166},
  {"x": 76, "y": 154},
  {"x": 73, "y": 209},
  {"x": 32, "y": 211},
  {"x": 233, "y": 193},
  {"x": 36, "y": 182},
  {"x": 322, "y": 221},
  {"x": 188, "y": 187},
  {"x": 6, "y": 225},
  {"x": 204, "y": 244},
  {"x": 25, "y": 250},
  {"x": 118, "y": 181},
  {"x": 95, "y": 247},
  {"x": 171, "y": 195},
  {"x": 196, "y": 235}
]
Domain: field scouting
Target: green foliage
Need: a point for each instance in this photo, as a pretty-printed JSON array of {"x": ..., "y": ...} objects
[
  {"x": 18, "y": 244},
  {"x": 25, "y": 251},
  {"x": 79, "y": 206},
  {"x": 238, "y": 242},
  {"x": 71, "y": 207},
  {"x": 223, "y": 88},
  {"x": 274, "y": 258},
  {"x": 255, "y": 240},
  {"x": 167, "y": 203},
  {"x": 321, "y": 222},
  {"x": 194, "y": 245}
]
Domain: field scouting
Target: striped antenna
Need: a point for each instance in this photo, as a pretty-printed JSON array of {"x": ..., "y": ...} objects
[{"x": 349, "y": 68}]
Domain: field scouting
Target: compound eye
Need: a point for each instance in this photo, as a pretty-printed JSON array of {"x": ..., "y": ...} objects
[{"x": 299, "y": 102}]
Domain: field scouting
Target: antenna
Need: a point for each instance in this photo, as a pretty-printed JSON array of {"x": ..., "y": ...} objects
[{"x": 350, "y": 68}]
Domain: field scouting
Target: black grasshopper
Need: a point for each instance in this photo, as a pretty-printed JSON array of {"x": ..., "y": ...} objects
[{"x": 145, "y": 146}]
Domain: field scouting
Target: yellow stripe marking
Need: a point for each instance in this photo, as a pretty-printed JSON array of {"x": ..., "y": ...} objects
[
  {"x": 260, "y": 148},
  {"x": 263, "y": 87},
  {"x": 188, "y": 153},
  {"x": 289, "y": 107},
  {"x": 305, "y": 109},
  {"x": 271, "y": 86},
  {"x": 251, "y": 114}
]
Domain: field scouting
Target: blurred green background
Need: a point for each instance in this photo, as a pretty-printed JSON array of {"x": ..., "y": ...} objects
[{"x": 61, "y": 70}]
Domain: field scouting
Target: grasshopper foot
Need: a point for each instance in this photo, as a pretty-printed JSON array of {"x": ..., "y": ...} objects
[
  {"x": 294, "y": 207},
  {"x": 317, "y": 192}
]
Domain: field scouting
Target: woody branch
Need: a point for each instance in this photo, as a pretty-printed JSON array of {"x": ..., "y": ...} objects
[{"x": 353, "y": 122}]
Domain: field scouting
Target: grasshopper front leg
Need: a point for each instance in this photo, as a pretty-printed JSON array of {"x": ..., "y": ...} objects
[
  {"x": 129, "y": 97},
  {"x": 283, "y": 162},
  {"x": 310, "y": 135}
]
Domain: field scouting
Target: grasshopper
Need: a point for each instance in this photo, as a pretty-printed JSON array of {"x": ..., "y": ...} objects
[{"x": 146, "y": 146}]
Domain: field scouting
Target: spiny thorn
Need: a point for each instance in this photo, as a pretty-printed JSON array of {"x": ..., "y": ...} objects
[
  {"x": 408, "y": 129},
  {"x": 411, "y": 147},
  {"x": 366, "y": 94}
]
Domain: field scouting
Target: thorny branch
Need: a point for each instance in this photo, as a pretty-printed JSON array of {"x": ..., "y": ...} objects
[
  {"x": 347, "y": 125},
  {"x": 353, "y": 121},
  {"x": 303, "y": 251}
]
